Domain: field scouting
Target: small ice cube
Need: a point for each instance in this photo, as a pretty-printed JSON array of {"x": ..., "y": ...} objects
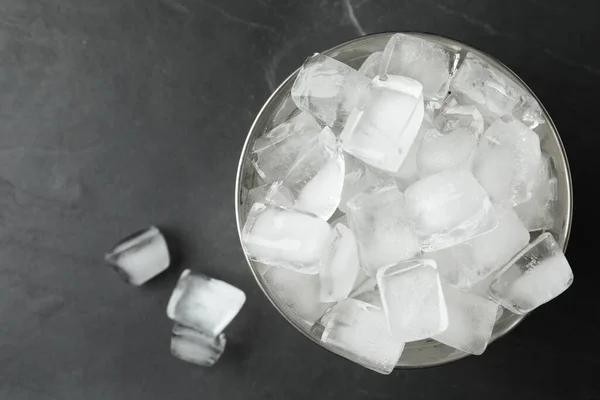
[
  {"x": 339, "y": 265},
  {"x": 489, "y": 252},
  {"x": 385, "y": 122},
  {"x": 298, "y": 292},
  {"x": 285, "y": 238},
  {"x": 471, "y": 320},
  {"x": 370, "y": 67},
  {"x": 275, "y": 152},
  {"x": 449, "y": 208},
  {"x": 205, "y": 304},
  {"x": 195, "y": 347},
  {"x": 507, "y": 162},
  {"x": 328, "y": 89},
  {"x": 443, "y": 151},
  {"x": 477, "y": 82},
  {"x": 429, "y": 63},
  {"x": 282, "y": 197},
  {"x": 357, "y": 331},
  {"x": 412, "y": 298},
  {"x": 140, "y": 256},
  {"x": 379, "y": 220},
  {"x": 316, "y": 178},
  {"x": 535, "y": 276},
  {"x": 537, "y": 213}
]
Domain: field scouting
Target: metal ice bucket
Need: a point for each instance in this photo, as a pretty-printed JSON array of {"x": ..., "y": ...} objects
[{"x": 279, "y": 106}]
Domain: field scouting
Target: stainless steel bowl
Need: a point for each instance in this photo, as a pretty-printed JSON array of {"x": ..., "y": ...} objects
[{"x": 279, "y": 106}]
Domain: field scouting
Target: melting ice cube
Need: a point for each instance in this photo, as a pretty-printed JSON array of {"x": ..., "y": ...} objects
[
  {"x": 339, "y": 265},
  {"x": 196, "y": 347}
]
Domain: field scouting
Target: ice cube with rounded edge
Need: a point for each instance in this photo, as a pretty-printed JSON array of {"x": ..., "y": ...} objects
[
  {"x": 140, "y": 256},
  {"x": 285, "y": 238},
  {"x": 536, "y": 275},
  {"x": 384, "y": 123},
  {"x": 328, "y": 89},
  {"x": 299, "y": 293},
  {"x": 357, "y": 331},
  {"x": 196, "y": 347},
  {"x": 379, "y": 220},
  {"x": 205, "y": 304},
  {"x": 471, "y": 320},
  {"x": 339, "y": 265},
  {"x": 370, "y": 67},
  {"x": 429, "y": 63},
  {"x": 444, "y": 151},
  {"x": 507, "y": 161},
  {"x": 449, "y": 208},
  {"x": 413, "y": 302},
  {"x": 282, "y": 197},
  {"x": 274, "y": 153},
  {"x": 478, "y": 83},
  {"x": 316, "y": 178},
  {"x": 537, "y": 213},
  {"x": 487, "y": 253}
]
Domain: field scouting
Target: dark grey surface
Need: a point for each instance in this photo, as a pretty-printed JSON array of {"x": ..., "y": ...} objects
[{"x": 118, "y": 114}]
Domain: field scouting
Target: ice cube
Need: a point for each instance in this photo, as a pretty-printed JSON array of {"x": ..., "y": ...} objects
[
  {"x": 360, "y": 178},
  {"x": 412, "y": 298},
  {"x": 477, "y": 82},
  {"x": 385, "y": 122},
  {"x": 298, "y": 292},
  {"x": 454, "y": 117},
  {"x": 339, "y": 265},
  {"x": 285, "y": 238},
  {"x": 370, "y": 67},
  {"x": 275, "y": 152},
  {"x": 449, "y": 208},
  {"x": 316, "y": 178},
  {"x": 140, "y": 256},
  {"x": 282, "y": 197},
  {"x": 196, "y": 347},
  {"x": 357, "y": 331},
  {"x": 448, "y": 266},
  {"x": 408, "y": 172},
  {"x": 537, "y": 213},
  {"x": 508, "y": 159},
  {"x": 379, "y": 220},
  {"x": 536, "y": 275},
  {"x": 205, "y": 304},
  {"x": 489, "y": 252},
  {"x": 471, "y": 320},
  {"x": 328, "y": 89},
  {"x": 429, "y": 63},
  {"x": 444, "y": 151}
]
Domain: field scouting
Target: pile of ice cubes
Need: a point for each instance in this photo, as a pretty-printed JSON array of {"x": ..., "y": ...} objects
[{"x": 396, "y": 203}]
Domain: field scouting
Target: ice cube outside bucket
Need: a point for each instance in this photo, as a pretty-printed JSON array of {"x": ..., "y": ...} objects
[{"x": 278, "y": 107}]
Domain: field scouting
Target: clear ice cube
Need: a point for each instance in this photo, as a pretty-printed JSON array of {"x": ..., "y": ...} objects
[
  {"x": 205, "y": 304},
  {"x": 477, "y": 82},
  {"x": 408, "y": 172},
  {"x": 444, "y": 151},
  {"x": 282, "y": 197},
  {"x": 370, "y": 67},
  {"x": 507, "y": 161},
  {"x": 328, "y": 89},
  {"x": 298, "y": 292},
  {"x": 140, "y": 256},
  {"x": 357, "y": 331},
  {"x": 487, "y": 253},
  {"x": 316, "y": 178},
  {"x": 412, "y": 298},
  {"x": 471, "y": 320},
  {"x": 359, "y": 178},
  {"x": 274, "y": 153},
  {"x": 453, "y": 117},
  {"x": 379, "y": 220},
  {"x": 383, "y": 125},
  {"x": 195, "y": 347},
  {"x": 339, "y": 265},
  {"x": 449, "y": 208},
  {"x": 448, "y": 266},
  {"x": 536, "y": 275},
  {"x": 429, "y": 63},
  {"x": 537, "y": 213},
  {"x": 285, "y": 238}
]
